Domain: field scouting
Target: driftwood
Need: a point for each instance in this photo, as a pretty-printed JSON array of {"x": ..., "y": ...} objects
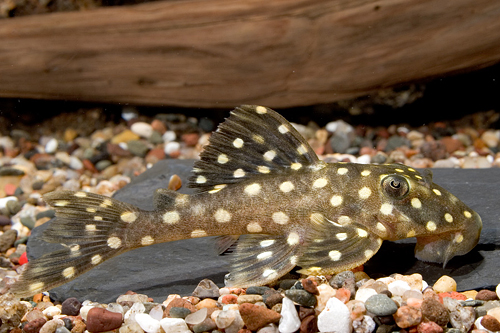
[{"x": 221, "y": 53}]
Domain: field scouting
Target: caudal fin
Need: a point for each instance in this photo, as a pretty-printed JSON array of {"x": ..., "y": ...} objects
[{"x": 92, "y": 227}]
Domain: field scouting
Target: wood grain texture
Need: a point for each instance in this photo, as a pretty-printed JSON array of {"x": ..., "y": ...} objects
[{"x": 222, "y": 53}]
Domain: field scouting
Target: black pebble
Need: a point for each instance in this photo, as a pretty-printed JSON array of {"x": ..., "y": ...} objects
[{"x": 71, "y": 307}]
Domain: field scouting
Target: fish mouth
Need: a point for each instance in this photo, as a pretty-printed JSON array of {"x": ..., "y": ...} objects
[{"x": 440, "y": 248}]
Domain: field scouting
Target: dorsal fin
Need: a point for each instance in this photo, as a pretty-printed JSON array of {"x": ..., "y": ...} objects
[{"x": 254, "y": 140}]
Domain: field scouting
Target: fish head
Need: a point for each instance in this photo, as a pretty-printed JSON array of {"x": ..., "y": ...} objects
[{"x": 412, "y": 205}]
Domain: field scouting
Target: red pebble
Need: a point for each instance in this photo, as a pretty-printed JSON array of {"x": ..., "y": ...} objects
[
  {"x": 9, "y": 189},
  {"x": 429, "y": 327},
  {"x": 310, "y": 286},
  {"x": 229, "y": 299},
  {"x": 256, "y": 317},
  {"x": 406, "y": 316},
  {"x": 452, "y": 294},
  {"x": 101, "y": 320},
  {"x": 490, "y": 323},
  {"x": 343, "y": 295},
  {"x": 23, "y": 259}
]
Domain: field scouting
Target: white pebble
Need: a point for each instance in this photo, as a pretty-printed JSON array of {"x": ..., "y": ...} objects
[
  {"x": 398, "y": 287},
  {"x": 51, "y": 311},
  {"x": 51, "y": 146},
  {"x": 156, "y": 312},
  {"x": 478, "y": 325},
  {"x": 147, "y": 323},
  {"x": 142, "y": 129},
  {"x": 174, "y": 325},
  {"x": 6, "y": 142},
  {"x": 115, "y": 307},
  {"x": 129, "y": 113},
  {"x": 225, "y": 318},
  {"x": 364, "y": 159},
  {"x": 84, "y": 311},
  {"x": 63, "y": 157},
  {"x": 364, "y": 293},
  {"x": 335, "y": 317},
  {"x": 172, "y": 147},
  {"x": 169, "y": 136},
  {"x": 270, "y": 328},
  {"x": 3, "y": 201},
  {"x": 498, "y": 290},
  {"x": 197, "y": 317},
  {"x": 75, "y": 163},
  {"x": 136, "y": 309},
  {"x": 425, "y": 285},
  {"x": 289, "y": 321}
]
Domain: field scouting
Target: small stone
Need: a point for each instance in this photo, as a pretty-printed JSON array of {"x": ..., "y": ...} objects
[
  {"x": 339, "y": 280},
  {"x": 190, "y": 139},
  {"x": 70, "y": 134},
  {"x": 229, "y": 299},
  {"x": 364, "y": 293},
  {"x": 445, "y": 284},
  {"x": 4, "y": 220},
  {"x": 497, "y": 290},
  {"x": 174, "y": 325},
  {"x": 206, "y": 289},
  {"x": 142, "y": 129},
  {"x": 309, "y": 324},
  {"x": 429, "y": 327},
  {"x": 301, "y": 297},
  {"x": 51, "y": 326},
  {"x": 398, "y": 287},
  {"x": 207, "y": 303},
  {"x": 452, "y": 294},
  {"x": 460, "y": 317},
  {"x": 206, "y": 326},
  {"x": 75, "y": 163},
  {"x": 407, "y": 316},
  {"x": 225, "y": 318},
  {"x": 125, "y": 136},
  {"x": 487, "y": 307},
  {"x": 131, "y": 299},
  {"x": 366, "y": 325},
  {"x": 434, "y": 311},
  {"x": 34, "y": 326},
  {"x": 476, "y": 162},
  {"x": 197, "y": 317},
  {"x": 51, "y": 311},
  {"x": 290, "y": 321},
  {"x": 335, "y": 317},
  {"x": 158, "y": 126},
  {"x": 490, "y": 323},
  {"x": 495, "y": 312},
  {"x": 101, "y": 320},
  {"x": 62, "y": 330},
  {"x": 343, "y": 294},
  {"x": 79, "y": 326},
  {"x": 147, "y": 323},
  {"x": 249, "y": 299},
  {"x": 357, "y": 309},
  {"x": 155, "y": 155},
  {"x": 325, "y": 293},
  {"x": 486, "y": 295},
  {"x": 256, "y": 317},
  {"x": 272, "y": 298},
  {"x": 260, "y": 290},
  {"x": 180, "y": 303},
  {"x": 381, "y": 305},
  {"x": 28, "y": 222},
  {"x": 51, "y": 146},
  {"x": 236, "y": 325},
  {"x": 137, "y": 148},
  {"x": 435, "y": 150},
  {"x": 172, "y": 148},
  {"x": 7, "y": 239},
  {"x": 174, "y": 183},
  {"x": 178, "y": 312}
]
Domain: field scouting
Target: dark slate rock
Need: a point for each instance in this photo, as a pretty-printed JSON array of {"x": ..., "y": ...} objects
[
  {"x": 257, "y": 290},
  {"x": 381, "y": 305},
  {"x": 178, "y": 267},
  {"x": 179, "y": 312},
  {"x": 71, "y": 307},
  {"x": 301, "y": 297}
]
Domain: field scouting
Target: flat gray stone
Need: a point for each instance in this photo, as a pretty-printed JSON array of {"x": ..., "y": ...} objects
[{"x": 178, "y": 267}]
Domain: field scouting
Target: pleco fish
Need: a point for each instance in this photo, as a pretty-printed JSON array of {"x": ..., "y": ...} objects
[{"x": 259, "y": 178}]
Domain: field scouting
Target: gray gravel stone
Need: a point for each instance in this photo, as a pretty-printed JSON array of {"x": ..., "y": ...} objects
[{"x": 381, "y": 305}]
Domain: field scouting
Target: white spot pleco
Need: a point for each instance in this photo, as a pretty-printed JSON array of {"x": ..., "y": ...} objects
[
  {"x": 254, "y": 227},
  {"x": 239, "y": 173},
  {"x": 336, "y": 200},
  {"x": 80, "y": 194},
  {"x": 448, "y": 217},
  {"x": 365, "y": 173},
  {"x": 344, "y": 219},
  {"x": 267, "y": 242},
  {"x": 411, "y": 233},
  {"x": 238, "y": 143},
  {"x": 368, "y": 253},
  {"x": 128, "y": 217},
  {"x": 269, "y": 155},
  {"x": 258, "y": 138},
  {"x": 399, "y": 170},
  {"x": 201, "y": 180},
  {"x": 293, "y": 239},
  {"x": 171, "y": 217},
  {"x": 335, "y": 255},
  {"x": 96, "y": 259},
  {"x": 75, "y": 248},
  {"x": 269, "y": 273},
  {"x": 296, "y": 166},
  {"x": 264, "y": 255},
  {"x": 431, "y": 226},
  {"x": 319, "y": 183},
  {"x": 198, "y": 233},
  {"x": 280, "y": 218},
  {"x": 114, "y": 242},
  {"x": 36, "y": 286},
  {"x": 459, "y": 238},
  {"x": 381, "y": 227},
  {"x": 222, "y": 159},
  {"x": 91, "y": 209},
  {"x": 342, "y": 171},
  {"x": 362, "y": 233},
  {"x": 97, "y": 218},
  {"x": 283, "y": 129},
  {"x": 261, "y": 110},
  {"x": 147, "y": 240},
  {"x": 69, "y": 272},
  {"x": 286, "y": 187},
  {"x": 90, "y": 227},
  {"x": 436, "y": 191},
  {"x": 341, "y": 236},
  {"x": 106, "y": 203},
  {"x": 386, "y": 208},
  {"x": 217, "y": 188},
  {"x": 222, "y": 216},
  {"x": 263, "y": 169},
  {"x": 61, "y": 203},
  {"x": 415, "y": 202},
  {"x": 252, "y": 189},
  {"x": 365, "y": 193},
  {"x": 467, "y": 214},
  {"x": 301, "y": 150}
]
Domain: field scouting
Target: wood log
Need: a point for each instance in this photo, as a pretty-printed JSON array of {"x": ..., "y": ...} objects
[{"x": 222, "y": 53}]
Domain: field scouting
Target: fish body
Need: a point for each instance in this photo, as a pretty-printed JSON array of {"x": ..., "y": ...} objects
[{"x": 259, "y": 179}]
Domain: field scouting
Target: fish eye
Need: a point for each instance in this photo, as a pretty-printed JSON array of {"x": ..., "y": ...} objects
[{"x": 395, "y": 186}]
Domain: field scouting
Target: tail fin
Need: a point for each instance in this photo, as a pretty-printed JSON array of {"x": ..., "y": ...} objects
[{"x": 91, "y": 226}]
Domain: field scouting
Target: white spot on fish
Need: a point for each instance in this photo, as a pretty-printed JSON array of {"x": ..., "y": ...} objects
[
  {"x": 411, "y": 233},
  {"x": 106, "y": 203},
  {"x": 365, "y": 173},
  {"x": 301, "y": 150},
  {"x": 386, "y": 208},
  {"x": 341, "y": 236},
  {"x": 114, "y": 242},
  {"x": 222, "y": 216},
  {"x": 80, "y": 194},
  {"x": 222, "y": 159},
  {"x": 252, "y": 189},
  {"x": 267, "y": 242},
  {"x": 296, "y": 166},
  {"x": 459, "y": 238},
  {"x": 335, "y": 255},
  {"x": 261, "y": 110},
  {"x": 198, "y": 233},
  {"x": 171, "y": 217},
  {"x": 201, "y": 180},
  {"x": 90, "y": 227},
  {"x": 467, "y": 214},
  {"x": 96, "y": 259},
  {"x": 239, "y": 173},
  {"x": 431, "y": 226},
  {"x": 362, "y": 233},
  {"x": 365, "y": 193},
  {"x": 75, "y": 248},
  {"x": 342, "y": 171},
  {"x": 293, "y": 239},
  {"x": 280, "y": 218},
  {"x": 270, "y": 273},
  {"x": 399, "y": 170},
  {"x": 344, "y": 219},
  {"x": 415, "y": 202},
  {"x": 147, "y": 240},
  {"x": 238, "y": 143},
  {"x": 436, "y": 191},
  {"x": 286, "y": 187},
  {"x": 319, "y": 183},
  {"x": 336, "y": 200},
  {"x": 448, "y": 217},
  {"x": 91, "y": 209},
  {"x": 98, "y": 218},
  {"x": 61, "y": 203},
  {"x": 263, "y": 169},
  {"x": 368, "y": 253},
  {"x": 381, "y": 227},
  {"x": 217, "y": 188},
  {"x": 254, "y": 227},
  {"x": 264, "y": 255},
  {"x": 128, "y": 217},
  {"x": 269, "y": 155},
  {"x": 258, "y": 138},
  {"x": 36, "y": 286},
  {"x": 69, "y": 272},
  {"x": 283, "y": 129}
]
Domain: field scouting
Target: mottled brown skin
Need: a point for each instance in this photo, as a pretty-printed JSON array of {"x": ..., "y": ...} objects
[{"x": 259, "y": 178}]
